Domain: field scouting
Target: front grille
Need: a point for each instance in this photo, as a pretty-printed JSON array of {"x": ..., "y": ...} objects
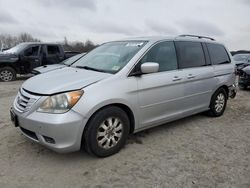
[{"x": 24, "y": 100}]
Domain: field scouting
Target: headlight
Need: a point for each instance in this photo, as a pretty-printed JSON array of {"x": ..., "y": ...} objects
[{"x": 60, "y": 103}]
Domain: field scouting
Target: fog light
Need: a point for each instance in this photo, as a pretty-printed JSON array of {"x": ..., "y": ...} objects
[{"x": 49, "y": 140}]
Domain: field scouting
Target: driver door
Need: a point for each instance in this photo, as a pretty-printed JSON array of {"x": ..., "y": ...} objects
[{"x": 31, "y": 58}]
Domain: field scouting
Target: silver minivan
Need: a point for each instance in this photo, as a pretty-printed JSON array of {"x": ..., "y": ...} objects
[{"x": 123, "y": 87}]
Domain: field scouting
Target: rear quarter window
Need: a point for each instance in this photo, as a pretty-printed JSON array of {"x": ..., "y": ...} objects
[{"x": 218, "y": 54}]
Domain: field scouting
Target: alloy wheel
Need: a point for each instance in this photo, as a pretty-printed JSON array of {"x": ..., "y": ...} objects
[
  {"x": 219, "y": 102},
  {"x": 109, "y": 132},
  {"x": 6, "y": 75}
]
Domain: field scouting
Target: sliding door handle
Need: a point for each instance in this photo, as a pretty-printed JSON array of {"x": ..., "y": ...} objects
[
  {"x": 190, "y": 76},
  {"x": 177, "y": 78}
]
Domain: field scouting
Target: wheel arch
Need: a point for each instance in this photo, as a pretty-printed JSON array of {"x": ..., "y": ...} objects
[
  {"x": 2, "y": 65},
  {"x": 122, "y": 106},
  {"x": 225, "y": 87},
  {"x": 125, "y": 108}
]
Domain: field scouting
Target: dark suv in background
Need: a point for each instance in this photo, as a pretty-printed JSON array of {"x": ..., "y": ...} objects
[{"x": 23, "y": 58}]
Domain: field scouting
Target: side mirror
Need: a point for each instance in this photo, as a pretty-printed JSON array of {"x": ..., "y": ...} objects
[{"x": 149, "y": 67}]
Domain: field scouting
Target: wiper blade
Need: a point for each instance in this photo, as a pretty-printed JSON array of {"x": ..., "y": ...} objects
[{"x": 90, "y": 68}]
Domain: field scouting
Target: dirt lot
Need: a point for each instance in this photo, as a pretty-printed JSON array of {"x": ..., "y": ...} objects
[{"x": 193, "y": 152}]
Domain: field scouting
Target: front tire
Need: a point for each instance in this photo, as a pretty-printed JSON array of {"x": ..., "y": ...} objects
[
  {"x": 218, "y": 103},
  {"x": 106, "y": 132},
  {"x": 7, "y": 74}
]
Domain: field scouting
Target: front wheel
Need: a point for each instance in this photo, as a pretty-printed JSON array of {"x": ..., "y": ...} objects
[
  {"x": 7, "y": 74},
  {"x": 106, "y": 132},
  {"x": 218, "y": 103}
]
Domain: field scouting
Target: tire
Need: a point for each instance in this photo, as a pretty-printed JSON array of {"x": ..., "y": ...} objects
[
  {"x": 106, "y": 132},
  {"x": 7, "y": 74},
  {"x": 218, "y": 103}
]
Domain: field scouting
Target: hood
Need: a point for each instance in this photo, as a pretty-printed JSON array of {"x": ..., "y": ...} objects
[
  {"x": 61, "y": 80},
  {"x": 6, "y": 57},
  {"x": 47, "y": 68}
]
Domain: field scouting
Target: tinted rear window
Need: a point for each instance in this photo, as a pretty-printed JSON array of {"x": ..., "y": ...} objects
[
  {"x": 190, "y": 54},
  {"x": 218, "y": 54}
]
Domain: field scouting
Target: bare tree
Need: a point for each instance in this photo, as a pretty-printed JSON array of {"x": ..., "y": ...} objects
[
  {"x": 78, "y": 46},
  {"x": 8, "y": 41}
]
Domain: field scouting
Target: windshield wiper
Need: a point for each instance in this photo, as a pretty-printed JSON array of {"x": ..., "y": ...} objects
[{"x": 90, "y": 68}]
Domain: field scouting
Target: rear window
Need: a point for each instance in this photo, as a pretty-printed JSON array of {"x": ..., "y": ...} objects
[
  {"x": 190, "y": 54},
  {"x": 218, "y": 54}
]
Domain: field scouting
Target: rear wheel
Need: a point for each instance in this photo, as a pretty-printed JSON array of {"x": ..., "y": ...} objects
[
  {"x": 106, "y": 132},
  {"x": 218, "y": 103},
  {"x": 7, "y": 74}
]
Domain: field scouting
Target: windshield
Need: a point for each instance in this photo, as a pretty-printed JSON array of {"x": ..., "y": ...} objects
[
  {"x": 16, "y": 49},
  {"x": 110, "y": 57},
  {"x": 241, "y": 57},
  {"x": 72, "y": 59}
]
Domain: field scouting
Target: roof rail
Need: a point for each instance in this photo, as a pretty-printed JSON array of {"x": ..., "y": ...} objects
[{"x": 198, "y": 36}]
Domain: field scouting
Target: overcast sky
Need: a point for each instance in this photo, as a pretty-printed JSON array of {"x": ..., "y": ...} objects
[{"x": 103, "y": 20}]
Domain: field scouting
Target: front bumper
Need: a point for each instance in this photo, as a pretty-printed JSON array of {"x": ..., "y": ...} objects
[{"x": 59, "y": 132}]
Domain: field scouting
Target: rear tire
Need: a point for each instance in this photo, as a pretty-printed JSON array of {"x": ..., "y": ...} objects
[
  {"x": 106, "y": 132},
  {"x": 7, "y": 74},
  {"x": 218, "y": 103}
]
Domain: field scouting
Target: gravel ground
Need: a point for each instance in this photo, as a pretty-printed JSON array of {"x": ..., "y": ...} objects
[{"x": 198, "y": 151}]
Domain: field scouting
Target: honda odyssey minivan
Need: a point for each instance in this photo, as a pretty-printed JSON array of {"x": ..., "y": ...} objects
[{"x": 123, "y": 87}]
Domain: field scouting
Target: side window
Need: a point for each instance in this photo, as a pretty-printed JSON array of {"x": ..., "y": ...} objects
[
  {"x": 190, "y": 54},
  {"x": 164, "y": 54},
  {"x": 218, "y": 54},
  {"x": 53, "y": 50},
  {"x": 32, "y": 51}
]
